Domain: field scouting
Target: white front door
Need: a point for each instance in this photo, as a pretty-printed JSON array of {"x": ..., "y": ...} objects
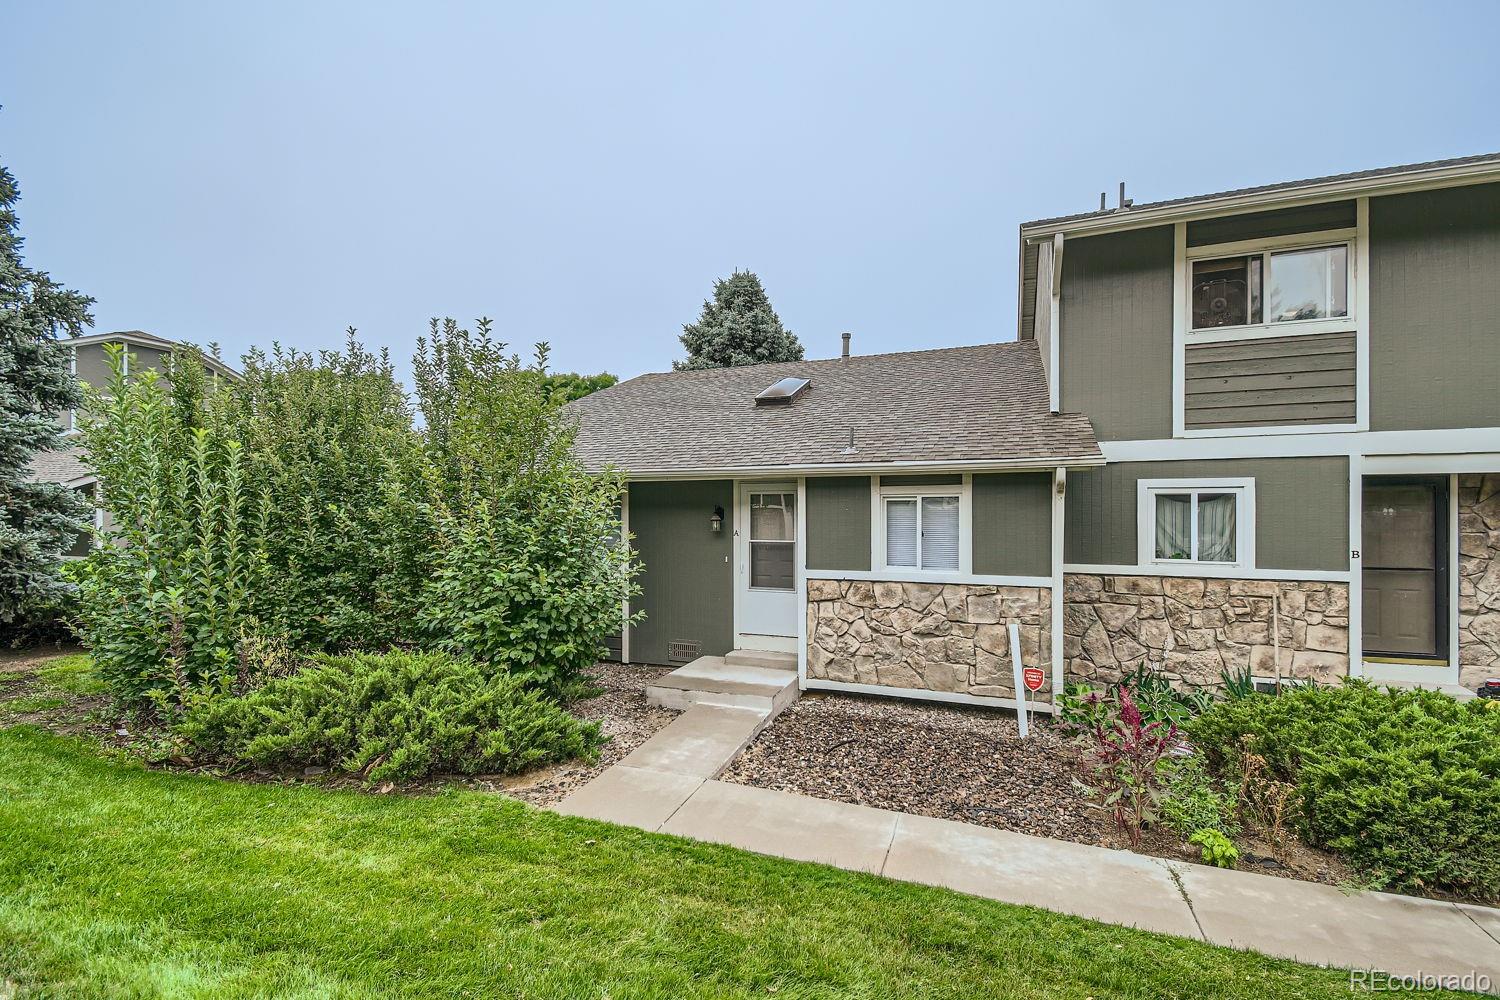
[{"x": 766, "y": 553}]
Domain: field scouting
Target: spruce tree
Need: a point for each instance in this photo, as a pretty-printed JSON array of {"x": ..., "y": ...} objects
[
  {"x": 38, "y": 521},
  {"x": 738, "y": 327}
]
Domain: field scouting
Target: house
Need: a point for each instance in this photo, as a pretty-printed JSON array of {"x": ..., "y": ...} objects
[
  {"x": 91, "y": 365},
  {"x": 881, "y": 517},
  {"x": 1294, "y": 387},
  {"x": 1256, "y": 430}
]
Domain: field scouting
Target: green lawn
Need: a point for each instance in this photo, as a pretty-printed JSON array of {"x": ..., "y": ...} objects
[{"x": 120, "y": 882}]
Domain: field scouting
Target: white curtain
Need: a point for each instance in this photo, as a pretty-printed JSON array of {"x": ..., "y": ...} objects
[
  {"x": 940, "y": 532},
  {"x": 1216, "y": 527},
  {"x": 773, "y": 516},
  {"x": 901, "y": 533},
  {"x": 1174, "y": 526}
]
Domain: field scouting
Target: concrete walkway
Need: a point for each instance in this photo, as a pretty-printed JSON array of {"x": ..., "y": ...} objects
[{"x": 667, "y": 785}]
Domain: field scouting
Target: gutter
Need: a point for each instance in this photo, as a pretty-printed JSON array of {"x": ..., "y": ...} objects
[{"x": 850, "y": 468}]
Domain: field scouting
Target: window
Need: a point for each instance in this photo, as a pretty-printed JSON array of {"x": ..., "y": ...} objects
[
  {"x": 773, "y": 540},
  {"x": 921, "y": 532},
  {"x": 1204, "y": 522},
  {"x": 1277, "y": 286}
]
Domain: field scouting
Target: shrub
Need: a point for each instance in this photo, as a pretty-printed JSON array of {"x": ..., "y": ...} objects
[
  {"x": 162, "y": 604},
  {"x": 391, "y": 717},
  {"x": 333, "y": 462},
  {"x": 1192, "y": 801},
  {"x": 1218, "y": 850},
  {"x": 528, "y": 576},
  {"x": 1403, "y": 784},
  {"x": 1152, "y": 693},
  {"x": 1124, "y": 756},
  {"x": 279, "y": 505}
]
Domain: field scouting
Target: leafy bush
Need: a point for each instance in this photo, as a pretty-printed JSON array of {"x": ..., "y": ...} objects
[
  {"x": 528, "y": 576},
  {"x": 1192, "y": 801},
  {"x": 392, "y": 717},
  {"x": 162, "y": 605},
  {"x": 1404, "y": 784},
  {"x": 1081, "y": 705},
  {"x": 333, "y": 462},
  {"x": 300, "y": 506},
  {"x": 1218, "y": 850},
  {"x": 279, "y": 506}
]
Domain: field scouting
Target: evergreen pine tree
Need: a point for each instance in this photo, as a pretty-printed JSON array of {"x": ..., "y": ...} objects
[
  {"x": 738, "y": 327},
  {"x": 38, "y": 521}
]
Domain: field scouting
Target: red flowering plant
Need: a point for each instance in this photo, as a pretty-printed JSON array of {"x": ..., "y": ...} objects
[{"x": 1123, "y": 753}]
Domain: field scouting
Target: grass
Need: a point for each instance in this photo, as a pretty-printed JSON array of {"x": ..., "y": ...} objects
[
  {"x": 72, "y": 674},
  {"x": 116, "y": 881}
]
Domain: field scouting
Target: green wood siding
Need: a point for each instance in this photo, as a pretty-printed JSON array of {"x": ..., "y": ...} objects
[
  {"x": 1435, "y": 309},
  {"x": 1273, "y": 381},
  {"x": 1301, "y": 515},
  {"x": 92, "y": 365},
  {"x": 1278, "y": 222},
  {"x": 687, "y": 580},
  {"x": 929, "y": 479},
  {"x": 838, "y": 523},
  {"x": 1013, "y": 524},
  {"x": 1116, "y": 344}
]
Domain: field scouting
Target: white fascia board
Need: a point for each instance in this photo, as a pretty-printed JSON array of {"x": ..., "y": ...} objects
[
  {"x": 1476, "y": 443},
  {"x": 851, "y": 469},
  {"x": 1240, "y": 204}
]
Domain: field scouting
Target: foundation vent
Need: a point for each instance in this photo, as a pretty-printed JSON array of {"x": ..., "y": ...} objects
[{"x": 683, "y": 650}]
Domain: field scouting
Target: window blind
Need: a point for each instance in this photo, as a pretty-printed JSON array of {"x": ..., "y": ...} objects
[
  {"x": 940, "y": 532},
  {"x": 901, "y": 533}
]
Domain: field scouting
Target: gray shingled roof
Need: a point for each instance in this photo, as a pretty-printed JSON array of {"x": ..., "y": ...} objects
[
  {"x": 65, "y": 465},
  {"x": 1357, "y": 175},
  {"x": 961, "y": 405}
]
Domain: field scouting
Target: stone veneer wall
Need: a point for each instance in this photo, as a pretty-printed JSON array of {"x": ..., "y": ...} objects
[
  {"x": 1194, "y": 629},
  {"x": 934, "y": 637},
  {"x": 1478, "y": 579}
]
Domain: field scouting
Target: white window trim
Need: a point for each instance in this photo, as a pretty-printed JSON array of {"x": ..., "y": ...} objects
[
  {"x": 1357, "y": 322},
  {"x": 963, "y": 490},
  {"x": 1244, "y": 520},
  {"x": 1327, "y": 239}
]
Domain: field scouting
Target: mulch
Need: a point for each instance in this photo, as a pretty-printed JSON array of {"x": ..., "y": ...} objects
[
  {"x": 623, "y": 716},
  {"x": 949, "y": 762}
]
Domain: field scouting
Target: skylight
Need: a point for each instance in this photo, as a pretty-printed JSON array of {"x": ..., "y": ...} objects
[{"x": 781, "y": 392}]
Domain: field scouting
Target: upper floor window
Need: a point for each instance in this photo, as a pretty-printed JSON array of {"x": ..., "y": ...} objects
[{"x": 1274, "y": 286}]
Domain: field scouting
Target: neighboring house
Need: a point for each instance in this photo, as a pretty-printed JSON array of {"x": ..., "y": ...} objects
[
  {"x": 1293, "y": 389},
  {"x": 143, "y": 351}
]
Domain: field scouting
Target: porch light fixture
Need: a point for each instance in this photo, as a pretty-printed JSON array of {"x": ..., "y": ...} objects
[{"x": 717, "y": 521}]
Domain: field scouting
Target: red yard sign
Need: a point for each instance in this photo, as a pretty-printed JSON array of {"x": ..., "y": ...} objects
[{"x": 1033, "y": 678}]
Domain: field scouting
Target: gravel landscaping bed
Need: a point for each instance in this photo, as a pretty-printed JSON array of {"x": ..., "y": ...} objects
[
  {"x": 624, "y": 716},
  {"x": 965, "y": 764}
]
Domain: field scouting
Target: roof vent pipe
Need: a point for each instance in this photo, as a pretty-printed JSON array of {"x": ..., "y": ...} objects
[
  {"x": 847, "y": 337},
  {"x": 1124, "y": 201}
]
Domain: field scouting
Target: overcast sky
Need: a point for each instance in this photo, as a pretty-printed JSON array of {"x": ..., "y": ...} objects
[{"x": 244, "y": 173}]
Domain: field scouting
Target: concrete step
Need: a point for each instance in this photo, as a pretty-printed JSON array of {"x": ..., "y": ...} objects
[
  {"x": 709, "y": 680},
  {"x": 762, "y": 658}
]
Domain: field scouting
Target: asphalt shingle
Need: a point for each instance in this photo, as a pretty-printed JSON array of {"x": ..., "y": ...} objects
[{"x": 961, "y": 405}]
